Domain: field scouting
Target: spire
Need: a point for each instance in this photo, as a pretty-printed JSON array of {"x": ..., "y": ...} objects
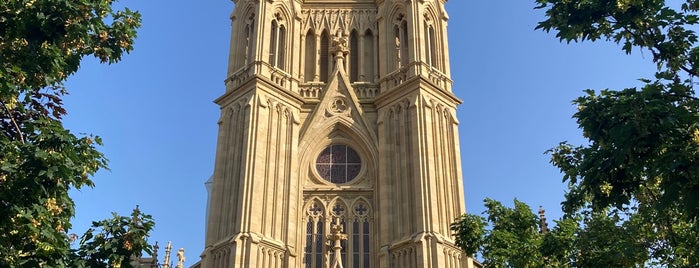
[
  {"x": 155, "y": 252},
  {"x": 168, "y": 249},
  {"x": 544, "y": 226}
]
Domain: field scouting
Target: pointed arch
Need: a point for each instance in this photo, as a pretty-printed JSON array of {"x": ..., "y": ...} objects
[
  {"x": 242, "y": 37},
  {"x": 278, "y": 37},
  {"x": 360, "y": 232},
  {"x": 324, "y": 55},
  {"x": 399, "y": 46},
  {"x": 310, "y": 54},
  {"x": 433, "y": 46},
  {"x": 396, "y": 49},
  {"x": 273, "y": 44},
  {"x": 430, "y": 31},
  {"x": 248, "y": 44},
  {"x": 404, "y": 44},
  {"x": 315, "y": 221},
  {"x": 339, "y": 208},
  {"x": 354, "y": 56},
  {"x": 370, "y": 60},
  {"x": 281, "y": 48},
  {"x": 314, "y": 208}
]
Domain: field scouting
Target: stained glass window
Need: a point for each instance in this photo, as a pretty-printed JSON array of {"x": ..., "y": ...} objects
[
  {"x": 356, "y": 223},
  {"x": 338, "y": 163}
]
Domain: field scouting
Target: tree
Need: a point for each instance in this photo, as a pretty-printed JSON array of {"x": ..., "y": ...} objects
[
  {"x": 641, "y": 165},
  {"x": 113, "y": 242},
  {"x": 41, "y": 44},
  {"x": 512, "y": 241},
  {"x": 634, "y": 188}
]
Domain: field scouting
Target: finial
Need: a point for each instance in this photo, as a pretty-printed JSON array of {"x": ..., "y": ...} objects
[
  {"x": 335, "y": 238},
  {"x": 134, "y": 215},
  {"x": 155, "y": 251},
  {"x": 168, "y": 249}
]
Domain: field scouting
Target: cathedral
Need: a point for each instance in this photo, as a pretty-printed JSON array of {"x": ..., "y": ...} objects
[{"x": 338, "y": 140}]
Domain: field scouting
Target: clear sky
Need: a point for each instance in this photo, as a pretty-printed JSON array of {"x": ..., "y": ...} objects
[{"x": 154, "y": 109}]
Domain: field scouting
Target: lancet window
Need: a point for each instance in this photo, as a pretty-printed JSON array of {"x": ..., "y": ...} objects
[
  {"x": 310, "y": 54},
  {"x": 277, "y": 45},
  {"x": 324, "y": 56},
  {"x": 356, "y": 224},
  {"x": 431, "y": 43},
  {"x": 400, "y": 34},
  {"x": 248, "y": 40},
  {"x": 404, "y": 44},
  {"x": 369, "y": 62},
  {"x": 354, "y": 56},
  {"x": 314, "y": 249},
  {"x": 243, "y": 53}
]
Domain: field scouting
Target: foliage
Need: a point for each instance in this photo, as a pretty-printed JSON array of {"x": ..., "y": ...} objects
[
  {"x": 41, "y": 44},
  {"x": 634, "y": 188},
  {"x": 112, "y": 242},
  {"x": 472, "y": 231},
  {"x": 558, "y": 244},
  {"x": 604, "y": 243},
  {"x": 512, "y": 241},
  {"x": 642, "y": 160}
]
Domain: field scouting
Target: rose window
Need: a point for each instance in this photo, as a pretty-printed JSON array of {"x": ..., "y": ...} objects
[{"x": 338, "y": 163}]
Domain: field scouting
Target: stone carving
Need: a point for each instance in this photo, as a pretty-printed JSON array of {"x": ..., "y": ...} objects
[
  {"x": 339, "y": 19},
  {"x": 338, "y": 105},
  {"x": 340, "y": 44},
  {"x": 180, "y": 258},
  {"x": 335, "y": 241}
]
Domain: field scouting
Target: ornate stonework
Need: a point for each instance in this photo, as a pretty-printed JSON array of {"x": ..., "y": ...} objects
[{"x": 338, "y": 142}]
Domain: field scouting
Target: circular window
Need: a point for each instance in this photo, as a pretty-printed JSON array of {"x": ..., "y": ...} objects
[{"x": 338, "y": 163}]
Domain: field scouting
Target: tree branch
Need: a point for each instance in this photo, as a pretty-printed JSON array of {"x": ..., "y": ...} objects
[{"x": 14, "y": 123}]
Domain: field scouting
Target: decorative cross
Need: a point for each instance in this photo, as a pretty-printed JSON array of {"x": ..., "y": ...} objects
[
  {"x": 360, "y": 210},
  {"x": 338, "y": 210},
  {"x": 315, "y": 210}
]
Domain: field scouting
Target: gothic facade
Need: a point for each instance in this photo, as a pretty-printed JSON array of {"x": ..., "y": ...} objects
[{"x": 336, "y": 113}]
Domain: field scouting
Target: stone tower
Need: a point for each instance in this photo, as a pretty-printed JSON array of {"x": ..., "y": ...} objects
[{"x": 336, "y": 112}]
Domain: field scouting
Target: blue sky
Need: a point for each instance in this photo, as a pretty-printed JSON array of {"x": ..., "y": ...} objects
[{"x": 154, "y": 109}]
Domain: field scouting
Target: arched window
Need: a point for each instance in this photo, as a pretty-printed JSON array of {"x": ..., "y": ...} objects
[
  {"x": 430, "y": 42},
  {"x": 310, "y": 53},
  {"x": 356, "y": 224},
  {"x": 433, "y": 47},
  {"x": 369, "y": 60},
  {"x": 324, "y": 56},
  {"x": 281, "y": 48},
  {"x": 404, "y": 44},
  {"x": 360, "y": 240},
  {"x": 400, "y": 33},
  {"x": 243, "y": 51},
  {"x": 248, "y": 43},
  {"x": 396, "y": 36},
  {"x": 277, "y": 44},
  {"x": 273, "y": 43},
  {"x": 354, "y": 57},
  {"x": 315, "y": 236}
]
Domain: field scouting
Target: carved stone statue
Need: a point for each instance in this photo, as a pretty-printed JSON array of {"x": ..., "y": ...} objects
[
  {"x": 180, "y": 258},
  {"x": 340, "y": 43}
]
